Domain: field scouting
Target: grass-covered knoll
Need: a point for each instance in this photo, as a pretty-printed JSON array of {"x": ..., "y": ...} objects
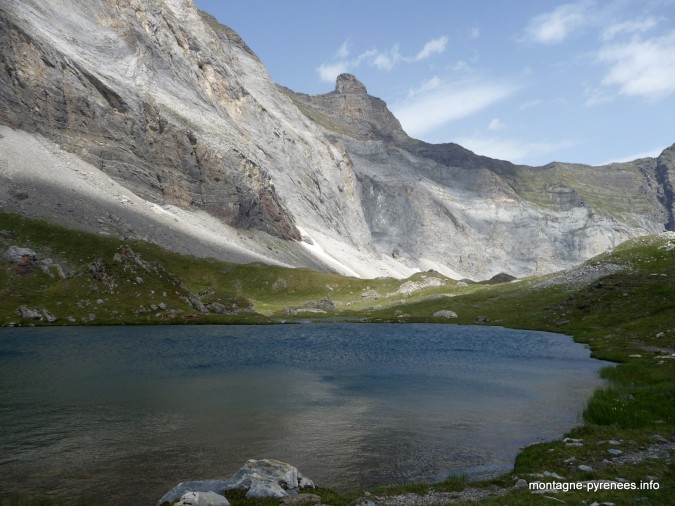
[
  {"x": 106, "y": 281},
  {"x": 622, "y": 304}
]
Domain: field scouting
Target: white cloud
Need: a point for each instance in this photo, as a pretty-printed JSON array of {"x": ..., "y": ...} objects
[
  {"x": 554, "y": 27},
  {"x": 387, "y": 61},
  {"x": 629, "y": 27},
  {"x": 329, "y": 71},
  {"x": 474, "y": 33},
  {"x": 426, "y": 86},
  {"x": 365, "y": 56},
  {"x": 434, "y": 46},
  {"x": 343, "y": 51},
  {"x": 447, "y": 102},
  {"x": 496, "y": 124},
  {"x": 642, "y": 68},
  {"x": 513, "y": 150},
  {"x": 383, "y": 60}
]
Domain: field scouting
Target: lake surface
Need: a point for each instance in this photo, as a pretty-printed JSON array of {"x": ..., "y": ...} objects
[{"x": 121, "y": 413}]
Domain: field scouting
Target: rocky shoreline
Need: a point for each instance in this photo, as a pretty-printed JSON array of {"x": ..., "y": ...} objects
[{"x": 268, "y": 478}]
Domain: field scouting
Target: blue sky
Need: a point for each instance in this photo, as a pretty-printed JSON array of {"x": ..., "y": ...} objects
[{"x": 530, "y": 81}]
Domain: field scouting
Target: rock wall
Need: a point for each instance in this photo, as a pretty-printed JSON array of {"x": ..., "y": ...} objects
[
  {"x": 112, "y": 81},
  {"x": 446, "y": 208},
  {"x": 175, "y": 107},
  {"x": 665, "y": 176}
]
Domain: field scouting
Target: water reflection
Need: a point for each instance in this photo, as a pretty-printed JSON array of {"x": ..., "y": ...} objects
[{"x": 129, "y": 412}]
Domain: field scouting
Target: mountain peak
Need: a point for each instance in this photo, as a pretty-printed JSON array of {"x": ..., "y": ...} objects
[{"x": 347, "y": 83}]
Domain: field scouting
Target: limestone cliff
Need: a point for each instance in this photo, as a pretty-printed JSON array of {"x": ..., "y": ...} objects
[
  {"x": 443, "y": 206},
  {"x": 148, "y": 119},
  {"x": 113, "y": 82},
  {"x": 177, "y": 109}
]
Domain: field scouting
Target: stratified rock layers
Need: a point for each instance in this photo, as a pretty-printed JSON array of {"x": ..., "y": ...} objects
[{"x": 174, "y": 106}]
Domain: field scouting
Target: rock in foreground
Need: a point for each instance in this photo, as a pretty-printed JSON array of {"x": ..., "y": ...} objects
[
  {"x": 260, "y": 478},
  {"x": 202, "y": 499}
]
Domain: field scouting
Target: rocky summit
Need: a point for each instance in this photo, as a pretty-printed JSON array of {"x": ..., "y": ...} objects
[{"x": 147, "y": 119}]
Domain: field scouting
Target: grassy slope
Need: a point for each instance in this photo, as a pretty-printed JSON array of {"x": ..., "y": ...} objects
[
  {"x": 270, "y": 289},
  {"x": 627, "y": 317},
  {"x": 614, "y": 190}
]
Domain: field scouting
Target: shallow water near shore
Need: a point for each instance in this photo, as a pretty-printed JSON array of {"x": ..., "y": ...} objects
[{"x": 122, "y": 413}]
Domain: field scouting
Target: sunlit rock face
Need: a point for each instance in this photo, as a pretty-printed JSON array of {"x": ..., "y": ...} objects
[
  {"x": 160, "y": 99},
  {"x": 443, "y": 207}
]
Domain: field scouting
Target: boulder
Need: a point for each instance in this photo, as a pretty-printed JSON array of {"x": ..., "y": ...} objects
[
  {"x": 98, "y": 270},
  {"x": 36, "y": 313},
  {"x": 202, "y": 499},
  {"x": 445, "y": 313},
  {"x": 324, "y": 303},
  {"x": 200, "y": 486},
  {"x": 195, "y": 302},
  {"x": 370, "y": 295},
  {"x": 269, "y": 478},
  {"x": 657, "y": 438},
  {"x": 17, "y": 254},
  {"x": 259, "y": 489},
  {"x": 260, "y": 478},
  {"x": 47, "y": 264},
  {"x": 218, "y": 308}
]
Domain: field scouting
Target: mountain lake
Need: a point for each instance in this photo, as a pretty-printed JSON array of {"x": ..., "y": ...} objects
[{"x": 122, "y": 414}]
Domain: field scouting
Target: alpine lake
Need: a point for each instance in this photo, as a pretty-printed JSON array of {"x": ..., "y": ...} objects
[{"x": 127, "y": 412}]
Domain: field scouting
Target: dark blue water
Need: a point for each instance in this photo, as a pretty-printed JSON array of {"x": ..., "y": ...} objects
[{"x": 122, "y": 413}]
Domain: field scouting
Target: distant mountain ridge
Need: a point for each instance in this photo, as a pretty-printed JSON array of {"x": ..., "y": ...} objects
[{"x": 149, "y": 119}]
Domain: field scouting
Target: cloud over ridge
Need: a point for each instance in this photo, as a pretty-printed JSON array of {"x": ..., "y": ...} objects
[
  {"x": 445, "y": 102},
  {"x": 382, "y": 60}
]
